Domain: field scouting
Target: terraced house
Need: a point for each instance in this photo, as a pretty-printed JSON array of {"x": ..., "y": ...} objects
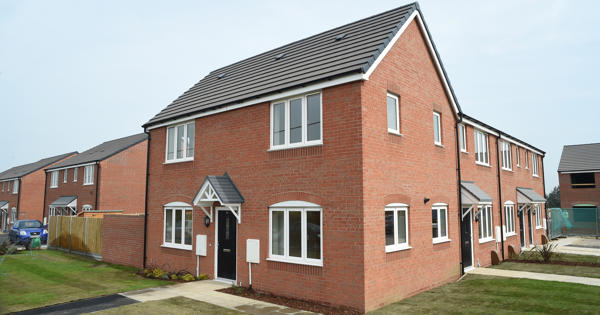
[
  {"x": 108, "y": 178},
  {"x": 22, "y": 191},
  {"x": 329, "y": 169}
]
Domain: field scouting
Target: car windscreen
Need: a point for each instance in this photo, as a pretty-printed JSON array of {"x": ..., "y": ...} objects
[{"x": 30, "y": 224}]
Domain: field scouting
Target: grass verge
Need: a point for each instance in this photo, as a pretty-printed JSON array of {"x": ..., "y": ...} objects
[
  {"x": 578, "y": 271},
  {"x": 176, "y": 305}
]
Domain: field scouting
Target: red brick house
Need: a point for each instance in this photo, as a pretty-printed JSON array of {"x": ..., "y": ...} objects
[
  {"x": 578, "y": 175},
  {"x": 22, "y": 192},
  {"x": 331, "y": 164},
  {"x": 108, "y": 178}
]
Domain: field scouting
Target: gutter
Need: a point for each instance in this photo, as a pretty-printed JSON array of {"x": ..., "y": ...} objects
[
  {"x": 500, "y": 204},
  {"x": 146, "y": 199},
  {"x": 460, "y": 218}
]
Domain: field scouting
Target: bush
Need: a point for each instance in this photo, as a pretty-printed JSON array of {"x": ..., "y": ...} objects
[
  {"x": 158, "y": 273},
  {"x": 188, "y": 277},
  {"x": 174, "y": 276},
  {"x": 546, "y": 251},
  {"x": 202, "y": 276}
]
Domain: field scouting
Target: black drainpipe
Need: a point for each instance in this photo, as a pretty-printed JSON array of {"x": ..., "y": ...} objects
[
  {"x": 146, "y": 197},
  {"x": 458, "y": 139},
  {"x": 97, "y": 186},
  {"x": 544, "y": 187},
  {"x": 500, "y": 191},
  {"x": 44, "y": 205}
]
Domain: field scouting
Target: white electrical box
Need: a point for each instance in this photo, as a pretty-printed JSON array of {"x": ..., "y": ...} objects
[
  {"x": 201, "y": 245},
  {"x": 504, "y": 232},
  {"x": 498, "y": 236},
  {"x": 252, "y": 251}
]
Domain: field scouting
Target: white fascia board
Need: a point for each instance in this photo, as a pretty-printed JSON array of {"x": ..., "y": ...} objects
[
  {"x": 271, "y": 97},
  {"x": 578, "y": 172},
  {"x": 518, "y": 143},
  {"x": 71, "y": 166},
  {"x": 480, "y": 127},
  {"x": 10, "y": 179}
]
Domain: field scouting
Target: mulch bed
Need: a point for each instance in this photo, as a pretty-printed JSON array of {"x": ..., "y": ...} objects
[
  {"x": 310, "y": 306},
  {"x": 557, "y": 262}
]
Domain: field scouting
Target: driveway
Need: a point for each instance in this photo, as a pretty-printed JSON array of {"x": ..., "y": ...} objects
[{"x": 578, "y": 246}]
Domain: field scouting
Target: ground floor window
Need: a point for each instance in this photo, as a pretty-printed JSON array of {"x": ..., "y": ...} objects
[
  {"x": 178, "y": 227},
  {"x": 485, "y": 223},
  {"x": 538, "y": 215},
  {"x": 439, "y": 223},
  {"x": 396, "y": 228},
  {"x": 295, "y": 235},
  {"x": 509, "y": 214}
]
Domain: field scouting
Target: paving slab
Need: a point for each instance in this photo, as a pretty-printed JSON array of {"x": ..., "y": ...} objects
[
  {"x": 534, "y": 276},
  {"x": 578, "y": 246}
]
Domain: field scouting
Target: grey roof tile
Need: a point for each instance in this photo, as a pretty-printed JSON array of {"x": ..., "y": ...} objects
[
  {"x": 63, "y": 201},
  {"x": 580, "y": 157},
  {"x": 475, "y": 191},
  {"x": 531, "y": 195},
  {"x": 22, "y": 170},
  {"x": 102, "y": 151},
  {"x": 3, "y": 203},
  {"x": 225, "y": 189}
]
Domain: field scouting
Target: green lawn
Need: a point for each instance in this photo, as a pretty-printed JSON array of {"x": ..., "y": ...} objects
[
  {"x": 483, "y": 294},
  {"x": 532, "y": 255},
  {"x": 177, "y": 305},
  {"x": 579, "y": 271},
  {"x": 51, "y": 277}
]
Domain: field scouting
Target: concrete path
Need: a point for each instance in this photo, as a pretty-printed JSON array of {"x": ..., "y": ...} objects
[
  {"x": 534, "y": 276},
  {"x": 205, "y": 291},
  {"x": 578, "y": 246}
]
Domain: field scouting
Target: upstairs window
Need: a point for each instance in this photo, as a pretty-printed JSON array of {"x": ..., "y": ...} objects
[
  {"x": 16, "y": 186},
  {"x": 437, "y": 128},
  {"x": 54, "y": 179},
  {"x": 534, "y": 164},
  {"x": 75, "y": 174},
  {"x": 65, "y": 175},
  {"x": 583, "y": 180},
  {"x": 518, "y": 156},
  {"x": 462, "y": 134},
  {"x": 506, "y": 155},
  {"x": 3, "y": 186},
  {"x": 393, "y": 114},
  {"x": 180, "y": 142},
  {"x": 296, "y": 122},
  {"x": 526, "y": 160},
  {"x": 482, "y": 155},
  {"x": 88, "y": 175}
]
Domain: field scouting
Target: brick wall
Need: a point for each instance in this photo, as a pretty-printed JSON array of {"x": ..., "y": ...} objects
[
  {"x": 123, "y": 239},
  {"x": 86, "y": 194},
  {"x": 570, "y": 197}
]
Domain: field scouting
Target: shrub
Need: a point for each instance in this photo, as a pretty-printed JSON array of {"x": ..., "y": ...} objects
[
  {"x": 546, "y": 251},
  {"x": 158, "y": 273},
  {"x": 202, "y": 276},
  {"x": 188, "y": 277},
  {"x": 174, "y": 276}
]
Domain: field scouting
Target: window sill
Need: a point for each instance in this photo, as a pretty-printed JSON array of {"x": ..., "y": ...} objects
[
  {"x": 441, "y": 240},
  {"x": 465, "y": 152},
  {"x": 178, "y": 161},
  {"x": 394, "y": 132},
  {"x": 486, "y": 240},
  {"x": 439, "y": 145},
  {"x": 88, "y": 184},
  {"x": 288, "y": 147},
  {"x": 396, "y": 248},
  {"x": 509, "y": 234},
  {"x": 539, "y": 227},
  {"x": 508, "y": 170},
  {"x": 177, "y": 247},
  {"x": 297, "y": 262},
  {"x": 482, "y": 164},
  {"x": 53, "y": 186},
  {"x": 535, "y": 175}
]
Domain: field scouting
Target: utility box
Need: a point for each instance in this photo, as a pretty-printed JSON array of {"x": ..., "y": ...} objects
[
  {"x": 253, "y": 251},
  {"x": 498, "y": 236},
  {"x": 200, "y": 245}
]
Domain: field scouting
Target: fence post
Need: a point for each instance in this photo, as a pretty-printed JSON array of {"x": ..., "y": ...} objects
[{"x": 70, "y": 235}]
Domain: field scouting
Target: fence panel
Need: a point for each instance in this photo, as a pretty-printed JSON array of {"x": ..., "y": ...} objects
[
  {"x": 52, "y": 237},
  {"x": 81, "y": 235},
  {"x": 78, "y": 234},
  {"x": 575, "y": 222},
  {"x": 94, "y": 236}
]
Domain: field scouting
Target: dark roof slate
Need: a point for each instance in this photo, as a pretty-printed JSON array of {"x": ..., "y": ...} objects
[
  {"x": 63, "y": 201},
  {"x": 580, "y": 157},
  {"x": 481, "y": 195},
  {"x": 225, "y": 189},
  {"x": 531, "y": 194},
  {"x": 22, "y": 170},
  {"x": 102, "y": 151}
]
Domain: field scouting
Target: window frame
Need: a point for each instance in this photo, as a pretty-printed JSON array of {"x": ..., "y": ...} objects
[
  {"x": 303, "y": 260},
  {"x": 397, "y": 99},
  {"x": 518, "y": 155},
  {"x": 526, "y": 160},
  {"x": 65, "y": 175},
  {"x": 75, "y": 170},
  {"x": 484, "y": 137},
  {"x": 509, "y": 218},
  {"x": 305, "y": 142},
  {"x": 395, "y": 208},
  {"x": 53, "y": 179},
  {"x": 15, "y": 189},
  {"x": 185, "y": 157},
  {"x": 440, "y": 239},
  {"x": 535, "y": 171},
  {"x": 489, "y": 224},
  {"x": 3, "y": 184},
  {"x": 506, "y": 153},
  {"x": 88, "y": 176},
  {"x": 172, "y": 244},
  {"x": 439, "y": 126},
  {"x": 538, "y": 216},
  {"x": 462, "y": 133}
]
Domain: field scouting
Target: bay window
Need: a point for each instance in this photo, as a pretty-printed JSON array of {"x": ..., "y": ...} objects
[
  {"x": 180, "y": 142},
  {"x": 296, "y": 122},
  {"x": 295, "y": 235},
  {"x": 178, "y": 227}
]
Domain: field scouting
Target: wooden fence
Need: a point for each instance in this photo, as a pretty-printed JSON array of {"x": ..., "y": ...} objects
[{"x": 79, "y": 235}]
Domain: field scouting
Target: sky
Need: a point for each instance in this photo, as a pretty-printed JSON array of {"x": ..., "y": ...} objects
[{"x": 76, "y": 73}]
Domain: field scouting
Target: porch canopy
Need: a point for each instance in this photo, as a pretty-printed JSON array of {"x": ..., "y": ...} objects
[
  {"x": 219, "y": 189},
  {"x": 4, "y": 205},
  {"x": 64, "y": 205},
  {"x": 471, "y": 194},
  {"x": 527, "y": 197}
]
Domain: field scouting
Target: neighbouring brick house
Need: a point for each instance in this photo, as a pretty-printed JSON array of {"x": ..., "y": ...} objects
[
  {"x": 339, "y": 154},
  {"x": 578, "y": 175},
  {"x": 22, "y": 192},
  {"x": 108, "y": 178}
]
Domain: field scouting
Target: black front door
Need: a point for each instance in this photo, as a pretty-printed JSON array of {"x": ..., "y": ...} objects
[
  {"x": 521, "y": 229},
  {"x": 466, "y": 240},
  {"x": 529, "y": 226},
  {"x": 226, "y": 248}
]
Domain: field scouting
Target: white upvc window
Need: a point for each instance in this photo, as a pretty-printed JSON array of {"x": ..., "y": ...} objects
[
  {"x": 396, "y": 228},
  {"x": 462, "y": 133},
  {"x": 53, "y": 179},
  {"x": 537, "y": 208},
  {"x": 7, "y": 186},
  {"x": 486, "y": 228},
  {"x": 75, "y": 174},
  {"x": 15, "y": 186},
  {"x": 439, "y": 223},
  {"x": 295, "y": 235},
  {"x": 180, "y": 142},
  {"x": 526, "y": 159},
  {"x": 518, "y": 156},
  {"x": 88, "y": 175},
  {"x": 3, "y": 186},
  {"x": 178, "y": 224},
  {"x": 534, "y": 164},
  {"x": 13, "y": 215},
  {"x": 482, "y": 155},
  {"x": 297, "y": 122},
  {"x": 393, "y": 113},
  {"x": 437, "y": 128},
  {"x": 505, "y": 151},
  {"x": 509, "y": 215},
  {"x": 65, "y": 175}
]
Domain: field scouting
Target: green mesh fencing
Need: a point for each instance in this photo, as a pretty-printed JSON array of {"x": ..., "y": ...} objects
[{"x": 584, "y": 221}]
